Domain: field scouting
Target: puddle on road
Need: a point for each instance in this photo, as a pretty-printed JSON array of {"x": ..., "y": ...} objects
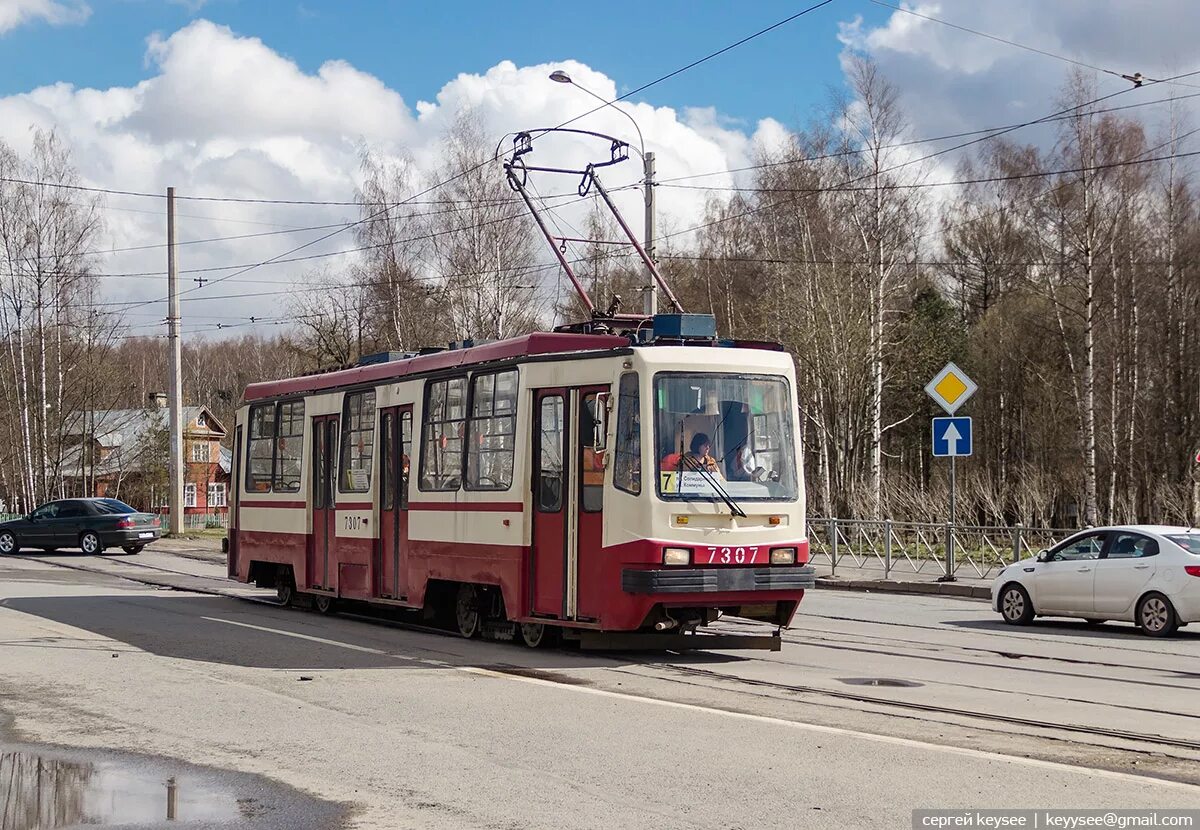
[
  {"x": 879, "y": 681},
  {"x": 44, "y": 789}
]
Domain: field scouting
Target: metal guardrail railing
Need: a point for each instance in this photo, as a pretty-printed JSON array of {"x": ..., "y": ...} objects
[
  {"x": 199, "y": 521},
  {"x": 924, "y": 547}
]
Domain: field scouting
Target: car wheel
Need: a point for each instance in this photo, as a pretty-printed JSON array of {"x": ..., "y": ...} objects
[
  {"x": 89, "y": 543},
  {"x": 132, "y": 549},
  {"x": 8, "y": 542},
  {"x": 1015, "y": 605},
  {"x": 1156, "y": 616}
]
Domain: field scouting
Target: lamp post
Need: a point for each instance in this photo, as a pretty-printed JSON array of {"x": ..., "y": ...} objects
[{"x": 650, "y": 292}]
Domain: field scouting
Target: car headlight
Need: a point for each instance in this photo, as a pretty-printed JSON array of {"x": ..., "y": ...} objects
[
  {"x": 677, "y": 556},
  {"x": 783, "y": 556}
]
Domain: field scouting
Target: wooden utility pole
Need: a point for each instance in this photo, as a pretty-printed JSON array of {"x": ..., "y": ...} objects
[{"x": 175, "y": 417}]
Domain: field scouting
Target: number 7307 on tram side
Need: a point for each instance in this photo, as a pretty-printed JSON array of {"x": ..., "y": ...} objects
[{"x": 611, "y": 490}]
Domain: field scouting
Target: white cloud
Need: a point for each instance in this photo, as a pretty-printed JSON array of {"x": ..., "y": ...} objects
[
  {"x": 227, "y": 115},
  {"x": 14, "y": 13},
  {"x": 952, "y": 80}
]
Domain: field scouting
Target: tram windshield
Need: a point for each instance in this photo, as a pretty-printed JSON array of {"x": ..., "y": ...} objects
[{"x": 724, "y": 432}]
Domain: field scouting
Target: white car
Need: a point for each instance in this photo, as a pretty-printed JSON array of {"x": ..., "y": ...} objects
[{"x": 1144, "y": 574}]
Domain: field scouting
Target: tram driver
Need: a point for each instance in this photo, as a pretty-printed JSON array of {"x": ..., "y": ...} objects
[{"x": 698, "y": 457}]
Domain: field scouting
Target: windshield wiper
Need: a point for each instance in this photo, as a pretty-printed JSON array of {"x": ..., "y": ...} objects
[{"x": 733, "y": 506}]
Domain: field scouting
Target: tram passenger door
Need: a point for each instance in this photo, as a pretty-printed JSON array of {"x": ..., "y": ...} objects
[
  {"x": 234, "y": 504},
  {"x": 568, "y": 480},
  {"x": 588, "y": 560},
  {"x": 550, "y": 503},
  {"x": 322, "y": 498},
  {"x": 395, "y": 450}
]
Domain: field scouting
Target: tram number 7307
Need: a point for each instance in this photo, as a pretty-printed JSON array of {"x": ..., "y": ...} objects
[{"x": 733, "y": 556}]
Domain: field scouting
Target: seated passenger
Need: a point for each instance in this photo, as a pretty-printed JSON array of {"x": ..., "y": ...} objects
[
  {"x": 746, "y": 468},
  {"x": 742, "y": 463},
  {"x": 670, "y": 462}
]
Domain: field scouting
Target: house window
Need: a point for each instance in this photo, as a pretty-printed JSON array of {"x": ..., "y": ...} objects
[
  {"x": 289, "y": 447},
  {"x": 189, "y": 495},
  {"x": 358, "y": 442},
  {"x": 260, "y": 448},
  {"x": 201, "y": 421},
  {"x": 216, "y": 495},
  {"x": 491, "y": 430},
  {"x": 200, "y": 452},
  {"x": 442, "y": 434}
]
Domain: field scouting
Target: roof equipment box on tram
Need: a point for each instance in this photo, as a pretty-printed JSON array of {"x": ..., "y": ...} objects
[{"x": 685, "y": 326}]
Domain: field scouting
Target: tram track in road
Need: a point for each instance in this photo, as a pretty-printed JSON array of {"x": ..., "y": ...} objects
[
  {"x": 126, "y": 560},
  {"x": 930, "y": 656},
  {"x": 972, "y": 687},
  {"x": 695, "y": 676},
  {"x": 1010, "y": 635},
  {"x": 119, "y": 560},
  {"x": 1006, "y": 654},
  {"x": 914, "y": 706}
]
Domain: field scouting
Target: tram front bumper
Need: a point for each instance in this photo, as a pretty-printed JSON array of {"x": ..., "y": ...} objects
[{"x": 717, "y": 580}]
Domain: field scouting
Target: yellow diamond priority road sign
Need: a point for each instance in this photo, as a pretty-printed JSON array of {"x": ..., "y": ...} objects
[{"x": 951, "y": 388}]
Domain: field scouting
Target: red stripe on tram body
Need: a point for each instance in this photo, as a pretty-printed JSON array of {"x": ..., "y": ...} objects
[{"x": 469, "y": 506}]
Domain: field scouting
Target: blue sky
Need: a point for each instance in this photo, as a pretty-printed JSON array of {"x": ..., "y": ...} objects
[{"x": 415, "y": 48}]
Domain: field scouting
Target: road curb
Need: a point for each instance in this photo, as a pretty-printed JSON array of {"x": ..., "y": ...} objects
[{"x": 893, "y": 586}]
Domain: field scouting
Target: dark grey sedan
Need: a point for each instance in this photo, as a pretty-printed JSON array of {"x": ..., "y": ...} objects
[{"x": 88, "y": 524}]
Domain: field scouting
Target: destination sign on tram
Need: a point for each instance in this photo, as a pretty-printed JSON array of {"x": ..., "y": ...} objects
[{"x": 690, "y": 483}]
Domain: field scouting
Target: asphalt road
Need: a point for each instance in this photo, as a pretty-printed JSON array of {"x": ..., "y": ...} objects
[{"x": 877, "y": 705}]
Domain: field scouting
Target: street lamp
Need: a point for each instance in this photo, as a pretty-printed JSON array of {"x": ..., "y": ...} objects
[{"x": 650, "y": 291}]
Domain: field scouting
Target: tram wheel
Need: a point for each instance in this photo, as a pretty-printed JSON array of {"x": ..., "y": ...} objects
[
  {"x": 537, "y": 635},
  {"x": 285, "y": 592},
  {"x": 466, "y": 610},
  {"x": 323, "y": 604}
]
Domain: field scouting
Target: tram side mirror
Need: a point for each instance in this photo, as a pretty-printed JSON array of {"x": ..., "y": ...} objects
[{"x": 600, "y": 422}]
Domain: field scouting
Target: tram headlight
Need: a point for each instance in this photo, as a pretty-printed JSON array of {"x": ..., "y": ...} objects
[
  {"x": 677, "y": 556},
  {"x": 783, "y": 556}
]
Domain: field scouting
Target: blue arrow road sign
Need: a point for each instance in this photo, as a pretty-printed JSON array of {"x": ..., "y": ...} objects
[{"x": 951, "y": 436}]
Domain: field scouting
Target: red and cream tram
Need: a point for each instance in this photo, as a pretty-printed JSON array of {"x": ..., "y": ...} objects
[
  {"x": 621, "y": 481},
  {"x": 589, "y": 485}
]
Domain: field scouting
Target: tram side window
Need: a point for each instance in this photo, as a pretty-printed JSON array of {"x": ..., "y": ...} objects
[
  {"x": 358, "y": 442},
  {"x": 552, "y": 431},
  {"x": 442, "y": 434},
  {"x": 591, "y": 469},
  {"x": 405, "y": 454},
  {"x": 491, "y": 431},
  {"x": 289, "y": 447},
  {"x": 627, "y": 472},
  {"x": 259, "y": 448},
  {"x": 387, "y": 464}
]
